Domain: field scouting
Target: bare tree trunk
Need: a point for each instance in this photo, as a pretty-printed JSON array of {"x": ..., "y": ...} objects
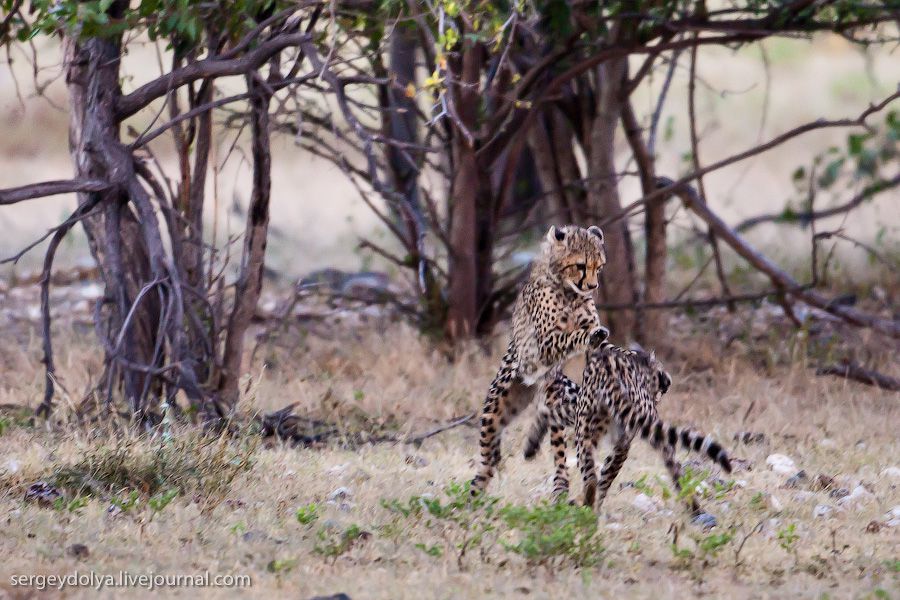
[
  {"x": 249, "y": 283},
  {"x": 550, "y": 141},
  {"x": 463, "y": 300},
  {"x": 400, "y": 115},
  {"x": 114, "y": 234},
  {"x": 652, "y": 323},
  {"x": 618, "y": 285}
]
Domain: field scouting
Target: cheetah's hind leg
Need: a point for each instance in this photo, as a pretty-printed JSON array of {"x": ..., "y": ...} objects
[{"x": 505, "y": 398}]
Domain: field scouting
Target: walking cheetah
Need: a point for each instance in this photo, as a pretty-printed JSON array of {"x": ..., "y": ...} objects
[
  {"x": 554, "y": 318},
  {"x": 620, "y": 387}
]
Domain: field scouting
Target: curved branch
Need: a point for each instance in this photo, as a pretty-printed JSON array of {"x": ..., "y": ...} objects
[
  {"x": 131, "y": 103},
  {"x": 780, "y": 278},
  {"x": 674, "y": 187},
  {"x": 51, "y": 188},
  {"x": 867, "y": 192}
]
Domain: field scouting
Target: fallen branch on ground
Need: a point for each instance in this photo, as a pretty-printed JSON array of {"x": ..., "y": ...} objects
[{"x": 848, "y": 369}]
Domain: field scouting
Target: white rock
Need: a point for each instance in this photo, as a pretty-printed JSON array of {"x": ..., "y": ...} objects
[
  {"x": 827, "y": 443},
  {"x": 340, "y": 494},
  {"x": 12, "y": 466},
  {"x": 892, "y": 517},
  {"x": 781, "y": 464},
  {"x": 775, "y": 503},
  {"x": 891, "y": 472},
  {"x": 741, "y": 483},
  {"x": 822, "y": 510},
  {"x": 645, "y": 503},
  {"x": 858, "y": 496},
  {"x": 615, "y": 526},
  {"x": 893, "y": 523}
]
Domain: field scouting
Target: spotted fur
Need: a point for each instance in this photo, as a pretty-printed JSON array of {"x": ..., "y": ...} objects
[
  {"x": 620, "y": 388},
  {"x": 554, "y": 318}
]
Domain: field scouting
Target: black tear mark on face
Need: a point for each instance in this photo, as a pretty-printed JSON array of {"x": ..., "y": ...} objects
[{"x": 559, "y": 234}]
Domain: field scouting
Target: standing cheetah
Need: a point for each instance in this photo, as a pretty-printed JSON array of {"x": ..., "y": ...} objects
[
  {"x": 554, "y": 318},
  {"x": 621, "y": 387}
]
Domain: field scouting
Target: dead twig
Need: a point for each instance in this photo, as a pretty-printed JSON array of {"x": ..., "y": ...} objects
[{"x": 418, "y": 439}]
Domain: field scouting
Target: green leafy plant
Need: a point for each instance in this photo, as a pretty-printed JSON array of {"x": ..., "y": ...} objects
[
  {"x": 160, "y": 501},
  {"x": 70, "y": 506},
  {"x": 333, "y": 543},
  {"x": 692, "y": 484},
  {"x": 128, "y": 502},
  {"x": 550, "y": 533},
  {"x": 464, "y": 521},
  {"x": 306, "y": 515}
]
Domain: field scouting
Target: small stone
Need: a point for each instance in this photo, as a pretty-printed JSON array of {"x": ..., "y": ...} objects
[
  {"x": 775, "y": 503},
  {"x": 341, "y": 493},
  {"x": 822, "y": 510},
  {"x": 254, "y": 535},
  {"x": 827, "y": 443},
  {"x": 891, "y": 473},
  {"x": 795, "y": 481},
  {"x": 79, "y": 551},
  {"x": 704, "y": 521},
  {"x": 839, "y": 493},
  {"x": 12, "y": 466},
  {"x": 340, "y": 596},
  {"x": 645, "y": 503},
  {"x": 43, "y": 493},
  {"x": 873, "y": 527},
  {"x": 892, "y": 517},
  {"x": 781, "y": 464},
  {"x": 859, "y": 496}
]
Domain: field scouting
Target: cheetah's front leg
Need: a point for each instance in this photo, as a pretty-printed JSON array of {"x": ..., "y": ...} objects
[{"x": 613, "y": 463}]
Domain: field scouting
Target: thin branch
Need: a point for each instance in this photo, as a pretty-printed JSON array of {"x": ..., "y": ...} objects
[
  {"x": 51, "y": 188},
  {"x": 866, "y": 193},
  {"x": 673, "y": 186}
]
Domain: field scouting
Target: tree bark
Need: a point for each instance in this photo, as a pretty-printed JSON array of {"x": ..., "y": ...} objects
[
  {"x": 463, "y": 300},
  {"x": 618, "y": 281},
  {"x": 114, "y": 234},
  {"x": 651, "y": 326},
  {"x": 249, "y": 283}
]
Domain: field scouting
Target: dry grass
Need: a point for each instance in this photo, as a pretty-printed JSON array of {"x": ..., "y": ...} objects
[{"x": 236, "y": 507}]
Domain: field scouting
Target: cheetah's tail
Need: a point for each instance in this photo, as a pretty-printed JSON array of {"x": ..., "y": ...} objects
[
  {"x": 659, "y": 433},
  {"x": 537, "y": 431}
]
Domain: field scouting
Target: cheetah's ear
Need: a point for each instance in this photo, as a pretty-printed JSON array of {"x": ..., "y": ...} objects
[
  {"x": 555, "y": 235},
  {"x": 665, "y": 381},
  {"x": 596, "y": 231}
]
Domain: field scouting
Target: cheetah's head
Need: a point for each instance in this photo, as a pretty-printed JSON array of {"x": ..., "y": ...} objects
[{"x": 577, "y": 256}]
